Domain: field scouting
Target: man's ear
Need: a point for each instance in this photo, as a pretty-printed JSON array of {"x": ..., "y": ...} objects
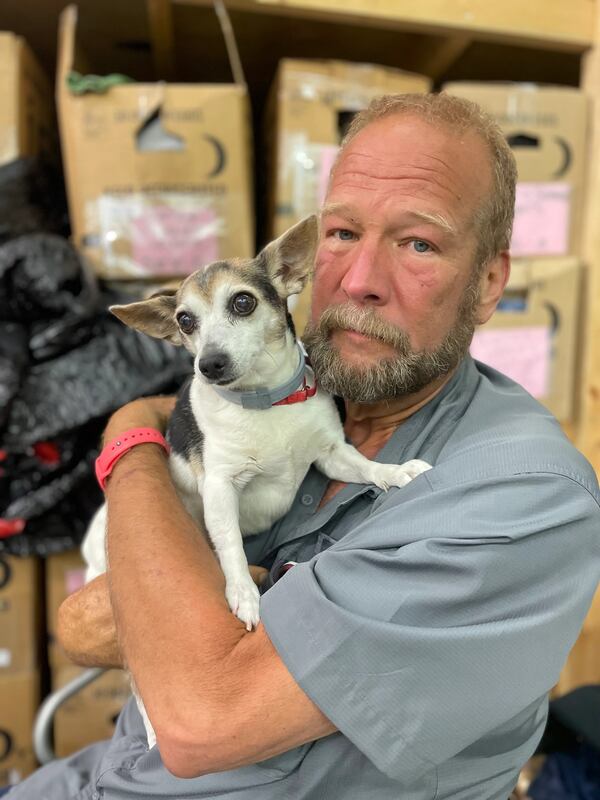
[
  {"x": 494, "y": 278},
  {"x": 290, "y": 259},
  {"x": 154, "y": 316}
]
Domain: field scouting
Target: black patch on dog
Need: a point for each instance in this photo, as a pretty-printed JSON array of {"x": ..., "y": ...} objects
[
  {"x": 290, "y": 323},
  {"x": 183, "y": 433},
  {"x": 261, "y": 280}
]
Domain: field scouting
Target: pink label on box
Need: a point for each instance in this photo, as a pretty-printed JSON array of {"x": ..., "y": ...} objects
[
  {"x": 542, "y": 215},
  {"x": 74, "y": 579},
  {"x": 328, "y": 153},
  {"x": 521, "y": 353},
  {"x": 170, "y": 241}
]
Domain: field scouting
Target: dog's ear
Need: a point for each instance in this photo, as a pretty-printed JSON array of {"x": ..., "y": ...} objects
[
  {"x": 154, "y": 316},
  {"x": 289, "y": 260}
]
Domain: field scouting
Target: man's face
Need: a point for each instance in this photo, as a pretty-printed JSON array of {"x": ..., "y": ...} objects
[{"x": 396, "y": 259}]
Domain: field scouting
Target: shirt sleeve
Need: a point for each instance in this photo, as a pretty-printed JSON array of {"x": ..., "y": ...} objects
[{"x": 447, "y": 612}]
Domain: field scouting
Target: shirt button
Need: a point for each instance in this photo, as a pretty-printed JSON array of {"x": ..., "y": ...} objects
[{"x": 306, "y": 499}]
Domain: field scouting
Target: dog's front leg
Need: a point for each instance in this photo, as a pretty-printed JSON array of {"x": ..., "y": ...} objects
[
  {"x": 341, "y": 461},
  {"x": 221, "y": 516}
]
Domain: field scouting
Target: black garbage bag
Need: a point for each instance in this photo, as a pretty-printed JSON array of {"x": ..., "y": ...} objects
[
  {"x": 14, "y": 358},
  {"x": 65, "y": 365},
  {"x": 42, "y": 279},
  {"x": 90, "y": 381},
  {"x": 54, "y": 493},
  {"x": 32, "y": 198}
]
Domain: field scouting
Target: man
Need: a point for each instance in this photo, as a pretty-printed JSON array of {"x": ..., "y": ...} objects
[{"x": 410, "y": 650}]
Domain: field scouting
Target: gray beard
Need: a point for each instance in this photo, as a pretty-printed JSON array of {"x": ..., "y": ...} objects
[{"x": 405, "y": 373}]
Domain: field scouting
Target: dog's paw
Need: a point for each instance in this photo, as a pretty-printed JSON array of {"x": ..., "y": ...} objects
[
  {"x": 400, "y": 475},
  {"x": 244, "y": 600}
]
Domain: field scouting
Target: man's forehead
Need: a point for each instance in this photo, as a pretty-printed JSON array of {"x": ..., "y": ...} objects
[{"x": 407, "y": 154}]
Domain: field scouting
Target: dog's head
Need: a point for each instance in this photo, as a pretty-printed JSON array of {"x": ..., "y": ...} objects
[{"x": 232, "y": 314}]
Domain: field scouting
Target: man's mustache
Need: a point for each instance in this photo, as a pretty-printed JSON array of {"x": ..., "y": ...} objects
[{"x": 365, "y": 321}]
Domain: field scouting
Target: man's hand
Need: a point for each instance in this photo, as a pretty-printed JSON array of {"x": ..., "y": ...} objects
[
  {"x": 86, "y": 625},
  {"x": 147, "y": 412}
]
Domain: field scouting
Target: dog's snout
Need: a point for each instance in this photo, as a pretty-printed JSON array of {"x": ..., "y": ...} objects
[{"x": 214, "y": 365}]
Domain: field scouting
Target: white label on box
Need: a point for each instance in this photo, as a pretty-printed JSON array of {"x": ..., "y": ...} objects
[
  {"x": 5, "y": 657},
  {"x": 166, "y": 233},
  {"x": 521, "y": 353},
  {"x": 311, "y": 165},
  {"x": 542, "y": 216}
]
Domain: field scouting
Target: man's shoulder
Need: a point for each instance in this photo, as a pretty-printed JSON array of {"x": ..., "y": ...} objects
[{"x": 505, "y": 431}]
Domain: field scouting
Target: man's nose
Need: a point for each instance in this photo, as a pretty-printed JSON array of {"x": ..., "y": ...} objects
[{"x": 365, "y": 281}]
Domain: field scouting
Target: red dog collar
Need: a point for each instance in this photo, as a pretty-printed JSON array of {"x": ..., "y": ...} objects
[
  {"x": 298, "y": 397},
  {"x": 114, "y": 450}
]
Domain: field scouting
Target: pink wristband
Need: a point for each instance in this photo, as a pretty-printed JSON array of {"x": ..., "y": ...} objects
[{"x": 113, "y": 451}]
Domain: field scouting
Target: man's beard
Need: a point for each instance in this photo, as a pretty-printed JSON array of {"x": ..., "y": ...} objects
[{"x": 405, "y": 373}]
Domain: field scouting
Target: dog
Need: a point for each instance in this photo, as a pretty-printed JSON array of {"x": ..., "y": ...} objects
[{"x": 250, "y": 422}]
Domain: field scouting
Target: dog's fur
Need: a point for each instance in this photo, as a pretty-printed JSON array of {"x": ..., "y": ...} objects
[{"x": 238, "y": 470}]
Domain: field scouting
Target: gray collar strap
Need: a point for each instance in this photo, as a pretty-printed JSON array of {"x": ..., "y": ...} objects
[{"x": 262, "y": 397}]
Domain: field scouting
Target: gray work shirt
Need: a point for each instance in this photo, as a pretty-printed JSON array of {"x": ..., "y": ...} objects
[{"x": 428, "y": 623}]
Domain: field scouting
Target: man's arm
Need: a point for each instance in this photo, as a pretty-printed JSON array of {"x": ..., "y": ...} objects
[
  {"x": 86, "y": 625},
  {"x": 218, "y": 696}
]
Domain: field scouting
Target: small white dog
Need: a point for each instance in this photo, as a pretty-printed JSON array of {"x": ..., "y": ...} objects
[{"x": 242, "y": 438}]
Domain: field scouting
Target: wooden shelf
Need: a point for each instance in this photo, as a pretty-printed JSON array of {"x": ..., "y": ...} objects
[{"x": 548, "y": 24}]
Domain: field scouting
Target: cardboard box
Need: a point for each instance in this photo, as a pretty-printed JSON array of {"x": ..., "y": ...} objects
[
  {"x": 19, "y": 700},
  {"x": 158, "y": 174},
  {"x": 26, "y": 108},
  {"x": 532, "y": 337},
  {"x": 20, "y": 603},
  {"x": 310, "y": 108},
  {"x": 546, "y": 127},
  {"x": 65, "y": 573},
  {"x": 89, "y": 715}
]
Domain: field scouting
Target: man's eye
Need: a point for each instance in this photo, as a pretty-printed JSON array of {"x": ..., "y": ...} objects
[
  {"x": 186, "y": 322},
  {"x": 420, "y": 246},
  {"x": 343, "y": 234}
]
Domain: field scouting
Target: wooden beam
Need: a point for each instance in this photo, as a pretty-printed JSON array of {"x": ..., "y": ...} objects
[
  {"x": 553, "y": 24},
  {"x": 588, "y": 427},
  {"x": 435, "y": 55},
  {"x": 160, "y": 19}
]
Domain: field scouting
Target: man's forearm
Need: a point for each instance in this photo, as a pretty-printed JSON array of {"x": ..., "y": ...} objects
[
  {"x": 86, "y": 627},
  {"x": 167, "y": 590}
]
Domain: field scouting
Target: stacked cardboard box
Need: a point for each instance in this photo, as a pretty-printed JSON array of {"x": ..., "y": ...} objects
[
  {"x": 546, "y": 127},
  {"x": 90, "y": 714},
  {"x": 310, "y": 108},
  {"x": 26, "y": 108},
  {"x": 158, "y": 175},
  {"x": 20, "y": 603},
  {"x": 532, "y": 337}
]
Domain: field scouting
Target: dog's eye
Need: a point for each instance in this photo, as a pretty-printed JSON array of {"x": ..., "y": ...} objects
[
  {"x": 186, "y": 322},
  {"x": 243, "y": 304}
]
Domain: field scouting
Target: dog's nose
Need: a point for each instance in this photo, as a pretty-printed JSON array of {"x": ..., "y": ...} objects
[{"x": 213, "y": 365}]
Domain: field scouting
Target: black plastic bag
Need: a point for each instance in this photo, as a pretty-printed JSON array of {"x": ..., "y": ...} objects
[
  {"x": 65, "y": 365},
  {"x": 32, "y": 199}
]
